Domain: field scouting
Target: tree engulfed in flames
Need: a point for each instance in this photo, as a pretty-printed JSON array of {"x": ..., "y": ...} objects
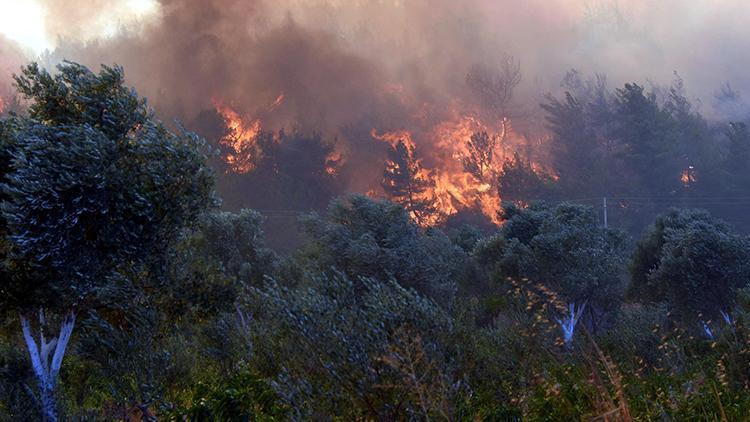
[
  {"x": 406, "y": 181},
  {"x": 469, "y": 157},
  {"x": 465, "y": 156},
  {"x": 240, "y": 138}
]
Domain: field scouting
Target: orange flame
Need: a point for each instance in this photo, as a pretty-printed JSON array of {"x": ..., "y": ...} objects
[
  {"x": 688, "y": 177},
  {"x": 333, "y": 162},
  {"x": 393, "y": 138},
  {"x": 240, "y": 138},
  {"x": 279, "y": 100},
  {"x": 467, "y": 155},
  {"x": 453, "y": 187}
]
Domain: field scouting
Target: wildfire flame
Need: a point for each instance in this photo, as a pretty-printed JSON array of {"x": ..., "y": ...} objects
[
  {"x": 454, "y": 185},
  {"x": 333, "y": 162},
  {"x": 277, "y": 102},
  {"x": 394, "y": 138},
  {"x": 240, "y": 138},
  {"x": 688, "y": 177},
  {"x": 465, "y": 156}
]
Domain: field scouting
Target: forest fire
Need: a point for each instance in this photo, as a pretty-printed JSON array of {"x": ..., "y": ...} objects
[
  {"x": 435, "y": 170},
  {"x": 401, "y": 224},
  {"x": 240, "y": 138},
  {"x": 468, "y": 158}
]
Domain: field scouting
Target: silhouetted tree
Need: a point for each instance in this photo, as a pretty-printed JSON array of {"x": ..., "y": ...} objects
[
  {"x": 481, "y": 155},
  {"x": 494, "y": 86},
  {"x": 405, "y": 182},
  {"x": 520, "y": 182}
]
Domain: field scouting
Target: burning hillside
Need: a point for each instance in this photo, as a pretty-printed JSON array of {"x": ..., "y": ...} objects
[
  {"x": 435, "y": 170},
  {"x": 326, "y": 91}
]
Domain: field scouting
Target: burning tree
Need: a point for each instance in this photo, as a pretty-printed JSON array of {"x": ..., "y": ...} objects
[
  {"x": 407, "y": 183},
  {"x": 519, "y": 181},
  {"x": 481, "y": 149}
]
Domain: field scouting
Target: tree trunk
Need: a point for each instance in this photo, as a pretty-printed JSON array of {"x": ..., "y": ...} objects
[{"x": 47, "y": 370}]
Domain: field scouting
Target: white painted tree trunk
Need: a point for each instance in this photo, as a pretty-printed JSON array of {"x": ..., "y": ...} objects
[
  {"x": 46, "y": 367},
  {"x": 568, "y": 324}
]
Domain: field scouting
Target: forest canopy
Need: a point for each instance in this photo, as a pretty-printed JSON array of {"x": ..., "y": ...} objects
[{"x": 128, "y": 293}]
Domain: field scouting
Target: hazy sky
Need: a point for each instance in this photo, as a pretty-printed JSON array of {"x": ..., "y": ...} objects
[{"x": 637, "y": 40}]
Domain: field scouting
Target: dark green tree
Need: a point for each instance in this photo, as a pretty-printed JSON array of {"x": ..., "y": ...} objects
[
  {"x": 97, "y": 186},
  {"x": 647, "y": 141},
  {"x": 692, "y": 261},
  {"x": 291, "y": 171},
  {"x": 581, "y": 144},
  {"x": 737, "y": 162},
  {"x": 405, "y": 183},
  {"x": 210, "y": 264},
  {"x": 520, "y": 182},
  {"x": 363, "y": 237},
  {"x": 564, "y": 249}
]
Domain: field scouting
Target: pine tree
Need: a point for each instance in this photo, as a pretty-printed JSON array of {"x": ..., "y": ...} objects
[
  {"x": 481, "y": 153},
  {"x": 406, "y": 183}
]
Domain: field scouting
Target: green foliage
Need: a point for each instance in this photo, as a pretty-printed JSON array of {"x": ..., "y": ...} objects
[
  {"x": 187, "y": 315},
  {"x": 562, "y": 248},
  {"x": 16, "y": 378},
  {"x": 693, "y": 261},
  {"x": 337, "y": 362},
  {"x": 242, "y": 397},
  {"x": 96, "y": 183},
  {"x": 362, "y": 237},
  {"x": 211, "y": 263}
]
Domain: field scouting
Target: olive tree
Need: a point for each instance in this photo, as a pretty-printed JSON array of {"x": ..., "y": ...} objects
[
  {"x": 95, "y": 185},
  {"x": 692, "y": 261},
  {"x": 564, "y": 249}
]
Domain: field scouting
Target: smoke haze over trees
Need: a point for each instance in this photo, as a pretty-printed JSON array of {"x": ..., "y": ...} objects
[
  {"x": 389, "y": 210},
  {"x": 444, "y": 72}
]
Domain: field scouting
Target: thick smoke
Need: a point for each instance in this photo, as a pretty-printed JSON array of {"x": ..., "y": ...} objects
[
  {"x": 345, "y": 66},
  {"x": 334, "y": 53}
]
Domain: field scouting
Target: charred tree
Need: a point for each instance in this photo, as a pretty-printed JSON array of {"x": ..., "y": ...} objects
[{"x": 494, "y": 86}]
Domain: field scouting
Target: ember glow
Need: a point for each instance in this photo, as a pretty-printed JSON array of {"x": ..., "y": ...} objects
[{"x": 688, "y": 177}]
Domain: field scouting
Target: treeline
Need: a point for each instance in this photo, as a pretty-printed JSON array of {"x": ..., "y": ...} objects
[
  {"x": 645, "y": 148},
  {"x": 649, "y": 149},
  {"x": 128, "y": 295}
]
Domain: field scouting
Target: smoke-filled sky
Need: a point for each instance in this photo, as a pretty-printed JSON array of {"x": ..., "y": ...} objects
[{"x": 329, "y": 56}]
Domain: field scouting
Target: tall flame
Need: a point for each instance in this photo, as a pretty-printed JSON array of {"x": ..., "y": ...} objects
[
  {"x": 240, "y": 138},
  {"x": 464, "y": 156},
  {"x": 393, "y": 138},
  {"x": 453, "y": 187}
]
